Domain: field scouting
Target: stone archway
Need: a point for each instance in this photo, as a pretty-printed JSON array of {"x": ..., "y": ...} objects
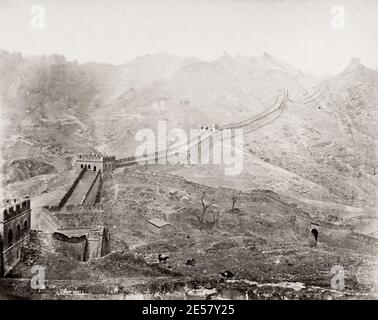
[{"x": 314, "y": 231}]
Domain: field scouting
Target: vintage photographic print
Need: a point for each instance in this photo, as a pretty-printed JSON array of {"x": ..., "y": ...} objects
[{"x": 188, "y": 150}]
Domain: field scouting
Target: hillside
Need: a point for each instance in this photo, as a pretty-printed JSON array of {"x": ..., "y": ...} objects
[
  {"x": 312, "y": 164},
  {"x": 44, "y": 114},
  {"x": 53, "y": 109},
  {"x": 315, "y": 150},
  {"x": 200, "y": 92}
]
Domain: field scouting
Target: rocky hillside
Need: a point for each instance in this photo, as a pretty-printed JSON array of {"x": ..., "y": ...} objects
[
  {"x": 229, "y": 88},
  {"x": 320, "y": 149},
  {"x": 329, "y": 140},
  {"x": 45, "y": 102},
  {"x": 52, "y": 108}
]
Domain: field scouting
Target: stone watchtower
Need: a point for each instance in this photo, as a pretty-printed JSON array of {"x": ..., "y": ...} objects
[
  {"x": 15, "y": 220},
  {"x": 95, "y": 162}
]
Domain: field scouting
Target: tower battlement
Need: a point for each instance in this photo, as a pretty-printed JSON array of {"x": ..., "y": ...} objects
[
  {"x": 11, "y": 208},
  {"x": 95, "y": 162},
  {"x": 94, "y": 157},
  {"x": 15, "y": 221}
]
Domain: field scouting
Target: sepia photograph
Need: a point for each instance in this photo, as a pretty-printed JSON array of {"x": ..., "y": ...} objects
[{"x": 188, "y": 150}]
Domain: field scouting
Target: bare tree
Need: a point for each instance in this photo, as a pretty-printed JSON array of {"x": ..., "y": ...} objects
[
  {"x": 234, "y": 198},
  {"x": 205, "y": 206}
]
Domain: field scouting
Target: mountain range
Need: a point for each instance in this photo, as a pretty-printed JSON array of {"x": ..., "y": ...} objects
[{"x": 321, "y": 149}]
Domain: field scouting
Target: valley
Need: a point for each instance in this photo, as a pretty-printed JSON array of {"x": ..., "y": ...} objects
[{"x": 308, "y": 164}]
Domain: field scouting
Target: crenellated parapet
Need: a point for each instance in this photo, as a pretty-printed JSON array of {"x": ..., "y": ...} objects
[
  {"x": 15, "y": 221},
  {"x": 13, "y": 207},
  {"x": 95, "y": 162},
  {"x": 94, "y": 157},
  {"x": 209, "y": 127}
]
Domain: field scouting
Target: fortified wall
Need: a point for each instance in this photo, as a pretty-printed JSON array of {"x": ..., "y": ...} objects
[
  {"x": 82, "y": 244},
  {"x": 93, "y": 193},
  {"x": 95, "y": 162},
  {"x": 78, "y": 232},
  {"x": 77, "y": 222},
  {"x": 15, "y": 221},
  {"x": 72, "y": 188}
]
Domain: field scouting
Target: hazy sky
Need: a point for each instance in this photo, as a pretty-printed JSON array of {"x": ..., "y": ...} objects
[{"x": 115, "y": 31}]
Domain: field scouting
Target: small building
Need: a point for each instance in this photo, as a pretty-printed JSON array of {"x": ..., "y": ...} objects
[
  {"x": 160, "y": 227},
  {"x": 95, "y": 162},
  {"x": 15, "y": 221}
]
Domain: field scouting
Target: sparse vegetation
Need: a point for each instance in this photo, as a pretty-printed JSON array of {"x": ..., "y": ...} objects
[
  {"x": 205, "y": 206},
  {"x": 234, "y": 199},
  {"x": 67, "y": 108}
]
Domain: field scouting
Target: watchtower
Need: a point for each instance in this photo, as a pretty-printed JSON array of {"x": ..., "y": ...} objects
[
  {"x": 15, "y": 221},
  {"x": 95, "y": 162}
]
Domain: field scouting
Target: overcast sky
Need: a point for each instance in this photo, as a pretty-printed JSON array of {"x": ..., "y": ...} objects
[{"x": 115, "y": 31}]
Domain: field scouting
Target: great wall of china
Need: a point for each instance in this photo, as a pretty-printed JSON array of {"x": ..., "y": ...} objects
[{"x": 76, "y": 224}]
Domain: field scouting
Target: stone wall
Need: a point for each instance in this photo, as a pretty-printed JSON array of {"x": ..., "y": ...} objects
[
  {"x": 97, "y": 244},
  {"x": 334, "y": 235},
  {"x": 47, "y": 222},
  {"x": 92, "y": 195},
  {"x": 95, "y": 162},
  {"x": 85, "y": 219},
  {"x": 10, "y": 257},
  {"x": 71, "y": 189},
  {"x": 369, "y": 240},
  {"x": 16, "y": 225},
  {"x": 86, "y": 244},
  {"x": 73, "y": 247}
]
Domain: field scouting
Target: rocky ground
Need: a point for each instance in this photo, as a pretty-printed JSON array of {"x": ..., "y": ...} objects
[
  {"x": 268, "y": 257},
  {"x": 317, "y": 159}
]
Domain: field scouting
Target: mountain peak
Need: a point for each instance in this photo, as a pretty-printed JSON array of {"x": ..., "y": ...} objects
[
  {"x": 355, "y": 63},
  {"x": 226, "y": 55},
  {"x": 266, "y": 55}
]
